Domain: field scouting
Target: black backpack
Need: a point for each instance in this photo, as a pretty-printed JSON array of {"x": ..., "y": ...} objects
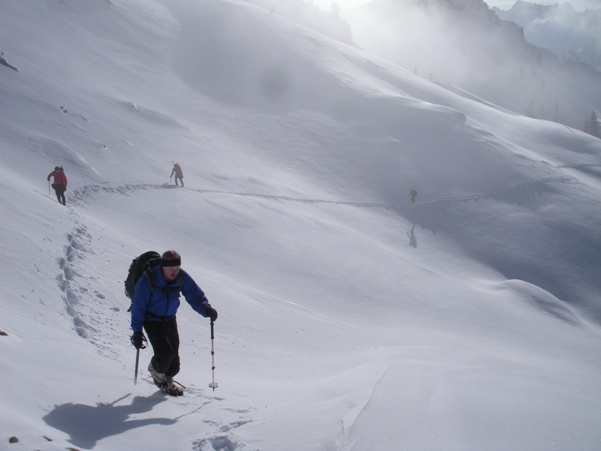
[{"x": 142, "y": 264}]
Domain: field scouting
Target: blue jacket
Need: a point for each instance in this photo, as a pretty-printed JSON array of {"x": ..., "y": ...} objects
[{"x": 164, "y": 302}]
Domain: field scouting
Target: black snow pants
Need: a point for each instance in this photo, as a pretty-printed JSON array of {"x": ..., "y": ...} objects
[
  {"x": 60, "y": 189},
  {"x": 164, "y": 338}
]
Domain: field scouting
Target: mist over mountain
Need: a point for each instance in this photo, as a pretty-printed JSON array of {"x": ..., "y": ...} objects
[
  {"x": 462, "y": 43},
  {"x": 572, "y": 35}
]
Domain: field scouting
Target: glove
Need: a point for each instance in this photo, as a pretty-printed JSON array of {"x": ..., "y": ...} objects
[
  {"x": 138, "y": 340},
  {"x": 211, "y": 313}
]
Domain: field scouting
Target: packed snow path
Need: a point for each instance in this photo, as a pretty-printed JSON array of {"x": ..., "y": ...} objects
[{"x": 80, "y": 195}]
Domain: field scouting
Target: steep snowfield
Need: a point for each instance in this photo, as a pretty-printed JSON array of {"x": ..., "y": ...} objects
[{"x": 349, "y": 317}]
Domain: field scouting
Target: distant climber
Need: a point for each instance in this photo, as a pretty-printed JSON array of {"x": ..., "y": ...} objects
[
  {"x": 60, "y": 183},
  {"x": 177, "y": 170},
  {"x": 413, "y": 195}
]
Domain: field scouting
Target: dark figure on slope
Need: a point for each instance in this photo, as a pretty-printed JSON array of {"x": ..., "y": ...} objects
[
  {"x": 60, "y": 183},
  {"x": 179, "y": 174},
  {"x": 154, "y": 308},
  {"x": 413, "y": 195}
]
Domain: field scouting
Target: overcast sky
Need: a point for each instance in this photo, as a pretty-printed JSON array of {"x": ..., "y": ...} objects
[{"x": 503, "y": 4}]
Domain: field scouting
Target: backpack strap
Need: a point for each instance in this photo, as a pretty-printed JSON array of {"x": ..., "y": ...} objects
[
  {"x": 150, "y": 278},
  {"x": 180, "y": 282}
]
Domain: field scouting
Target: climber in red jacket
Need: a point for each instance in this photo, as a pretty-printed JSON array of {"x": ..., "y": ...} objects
[{"x": 60, "y": 184}]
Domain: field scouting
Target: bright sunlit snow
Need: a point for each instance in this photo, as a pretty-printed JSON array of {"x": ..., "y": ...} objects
[{"x": 350, "y": 318}]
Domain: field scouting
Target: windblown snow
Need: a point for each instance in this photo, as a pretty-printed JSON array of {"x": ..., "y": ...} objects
[{"x": 350, "y": 318}]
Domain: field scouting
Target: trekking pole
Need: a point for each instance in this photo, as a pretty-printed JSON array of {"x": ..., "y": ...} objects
[
  {"x": 136, "y": 370},
  {"x": 213, "y": 384}
]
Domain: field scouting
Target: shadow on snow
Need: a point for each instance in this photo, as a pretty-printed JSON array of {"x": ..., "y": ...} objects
[{"x": 87, "y": 425}]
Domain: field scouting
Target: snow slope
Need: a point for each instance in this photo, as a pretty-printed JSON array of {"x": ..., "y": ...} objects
[{"x": 349, "y": 318}]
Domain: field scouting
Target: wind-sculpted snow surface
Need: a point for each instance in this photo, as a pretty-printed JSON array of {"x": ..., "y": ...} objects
[
  {"x": 431, "y": 398},
  {"x": 350, "y": 317}
]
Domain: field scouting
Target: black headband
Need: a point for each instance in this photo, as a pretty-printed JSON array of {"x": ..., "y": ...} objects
[{"x": 171, "y": 262}]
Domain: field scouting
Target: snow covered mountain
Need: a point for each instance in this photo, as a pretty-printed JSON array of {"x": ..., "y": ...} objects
[
  {"x": 463, "y": 44},
  {"x": 573, "y": 35},
  {"x": 350, "y": 318}
]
